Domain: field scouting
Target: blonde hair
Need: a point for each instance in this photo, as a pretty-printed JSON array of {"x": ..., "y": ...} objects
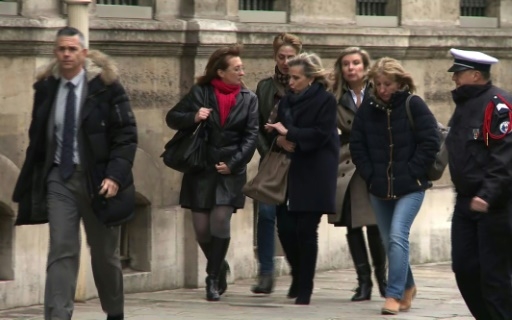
[
  {"x": 287, "y": 39},
  {"x": 392, "y": 69},
  {"x": 340, "y": 85},
  {"x": 312, "y": 66}
]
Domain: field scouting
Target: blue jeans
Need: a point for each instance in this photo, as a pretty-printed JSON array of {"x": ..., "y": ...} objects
[
  {"x": 395, "y": 218},
  {"x": 266, "y": 237}
]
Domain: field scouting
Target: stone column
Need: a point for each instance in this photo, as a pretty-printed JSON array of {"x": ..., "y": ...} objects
[
  {"x": 38, "y": 8},
  {"x": 78, "y": 16},
  {"x": 167, "y": 9},
  {"x": 439, "y": 13},
  {"x": 325, "y": 11},
  {"x": 505, "y": 13},
  {"x": 210, "y": 9}
]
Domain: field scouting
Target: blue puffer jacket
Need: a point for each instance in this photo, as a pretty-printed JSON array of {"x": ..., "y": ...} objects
[{"x": 391, "y": 157}]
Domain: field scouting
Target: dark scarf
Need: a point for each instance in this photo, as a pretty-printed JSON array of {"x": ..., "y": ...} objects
[
  {"x": 226, "y": 97},
  {"x": 281, "y": 78},
  {"x": 466, "y": 92},
  {"x": 281, "y": 82},
  {"x": 294, "y": 103}
]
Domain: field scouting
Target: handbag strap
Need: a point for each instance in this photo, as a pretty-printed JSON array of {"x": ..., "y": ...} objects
[{"x": 408, "y": 110}]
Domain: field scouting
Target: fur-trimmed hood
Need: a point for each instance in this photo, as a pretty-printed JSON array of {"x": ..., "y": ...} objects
[{"x": 96, "y": 63}]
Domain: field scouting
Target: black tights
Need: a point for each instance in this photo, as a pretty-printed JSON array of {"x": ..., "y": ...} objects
[{"x": 215, "y": 223}]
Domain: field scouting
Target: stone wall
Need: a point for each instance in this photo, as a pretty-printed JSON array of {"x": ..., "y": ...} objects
[{"x": 158, "y": 61}]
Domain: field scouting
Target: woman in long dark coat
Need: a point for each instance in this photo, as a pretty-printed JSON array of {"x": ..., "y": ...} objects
[
  {"x": 307, "y": 130},
  {"x": 353, "y": 209},
  {"x": 231, "y": 114},
  {"x": 270, "y": 91}
]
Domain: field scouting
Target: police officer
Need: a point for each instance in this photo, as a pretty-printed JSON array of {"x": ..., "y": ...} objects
[{"x": 480, "y": 151}]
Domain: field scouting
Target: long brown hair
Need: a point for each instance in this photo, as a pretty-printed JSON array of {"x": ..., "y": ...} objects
[
  {"x": 392, "y": 69},
  {"x": 339, "y": 85},
  {"x": 219, "y": 60}
]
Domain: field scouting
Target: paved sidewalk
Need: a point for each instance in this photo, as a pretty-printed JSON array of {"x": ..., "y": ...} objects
[{"x": 438, "y": 298}]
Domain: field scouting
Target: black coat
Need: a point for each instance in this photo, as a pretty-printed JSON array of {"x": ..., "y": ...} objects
[
  {"x": 475, "y": 168},
  {"x": 391, "y": 157},
  {"x": 107, "y": 141},
  {"x": 234, "y": 143},
  {"x": 310, "y": 118}
]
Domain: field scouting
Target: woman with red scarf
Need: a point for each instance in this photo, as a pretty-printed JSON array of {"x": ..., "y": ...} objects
[{"x": 230, "y": 112}]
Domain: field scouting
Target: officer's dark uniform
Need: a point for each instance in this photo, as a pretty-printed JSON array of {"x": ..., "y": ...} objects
[{"x": 480, "y": 151}]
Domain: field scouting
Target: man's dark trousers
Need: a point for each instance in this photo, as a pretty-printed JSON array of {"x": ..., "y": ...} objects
[
  {"x": 481, "y": 257},
  {"x": 67, "y": 204}
]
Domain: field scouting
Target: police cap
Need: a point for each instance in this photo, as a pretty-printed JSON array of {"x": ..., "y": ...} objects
[{"x": 465, "y": 60}]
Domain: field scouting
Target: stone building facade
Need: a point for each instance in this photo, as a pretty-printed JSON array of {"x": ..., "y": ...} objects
[{"x": 160, "y": 47}]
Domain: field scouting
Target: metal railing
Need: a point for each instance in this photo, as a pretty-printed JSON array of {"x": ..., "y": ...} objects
[
  {"x": 120, "y": 2},
  {"x": 473, "y": 8},
  {"x": 267, "y": 5},
  {"x": 371, "y": 7}
]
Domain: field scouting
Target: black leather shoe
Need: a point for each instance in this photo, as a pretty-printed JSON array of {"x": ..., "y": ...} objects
[
  {"x": 116, "y": 317},
  {"x": 293, "y": 292},
  {"x": 212, "y": 289},
  {"x": 303, "y": 300},
  {"x": 265, "y": 284}
]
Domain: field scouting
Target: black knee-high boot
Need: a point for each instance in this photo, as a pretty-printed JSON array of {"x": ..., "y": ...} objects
[
  {"x": 378, "y": 257},
  {"x": 225, "y": 269},
  {"x": 287, "y": 233},
  {"x": 218, "y": 249},
  {"x": 308, "y": 251},
  {"x": 357, "y": 247}
]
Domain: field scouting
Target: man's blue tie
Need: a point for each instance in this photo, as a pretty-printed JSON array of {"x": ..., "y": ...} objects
[{"x": 67, "y": 166}]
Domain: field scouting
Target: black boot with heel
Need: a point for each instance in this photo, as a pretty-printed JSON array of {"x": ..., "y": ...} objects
[
  {"x": 357, "y": 247},
  {"x": 378, "y": 257},
  {"x": 218, "y": 249}
]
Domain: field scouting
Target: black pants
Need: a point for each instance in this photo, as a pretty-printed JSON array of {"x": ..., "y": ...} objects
[
  {"x": 481, "y": 257},
  {"x": 298, "y": 232}
]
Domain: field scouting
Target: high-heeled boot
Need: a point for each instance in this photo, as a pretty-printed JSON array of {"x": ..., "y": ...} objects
[
  {"x": 357, "y": 247},
  {"x": 225, "y": 269},
  {"x": 378, "y": 257},
  {"x": 218, "y": 250},
  {"x": 288, "y": 237}
]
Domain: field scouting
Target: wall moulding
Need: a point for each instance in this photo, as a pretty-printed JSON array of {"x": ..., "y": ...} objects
[{"x": 402, "y": 43}]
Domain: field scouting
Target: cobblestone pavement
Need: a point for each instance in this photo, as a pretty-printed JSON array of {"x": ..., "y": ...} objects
[{"x": 438, "y": 298}]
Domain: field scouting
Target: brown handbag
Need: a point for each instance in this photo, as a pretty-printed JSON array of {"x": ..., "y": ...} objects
[{"x": 271, "y": 182}]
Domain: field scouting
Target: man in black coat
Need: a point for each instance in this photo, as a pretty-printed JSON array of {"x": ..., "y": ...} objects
[
  {"x": 83, "y": 139},
  {"x": 480, "y": 152}
]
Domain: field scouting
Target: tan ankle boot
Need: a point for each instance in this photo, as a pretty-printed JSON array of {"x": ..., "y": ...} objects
[
  {"x": 391, "y": 306},
  {"x": 409, "y": 294}
]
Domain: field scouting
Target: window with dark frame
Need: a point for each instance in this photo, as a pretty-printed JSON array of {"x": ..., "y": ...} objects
[
  {"x": 371, "y": 7},
  {"x": 473, "y": 8},
  {"x": 264, "y": 5}
]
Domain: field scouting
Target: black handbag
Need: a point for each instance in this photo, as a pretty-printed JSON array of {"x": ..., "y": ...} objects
[{"x": 186, "y": 151}]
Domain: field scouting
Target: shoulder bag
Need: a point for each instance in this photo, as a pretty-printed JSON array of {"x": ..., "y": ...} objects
[
  {"x": 270, "y": 185},
  {"x": 186, "y": 151},
  {"x": 435, "y": 172}
]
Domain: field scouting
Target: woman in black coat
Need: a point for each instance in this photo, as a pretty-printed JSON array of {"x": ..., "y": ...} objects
[
  {"x": 306, "y": 128},
  {"x": 394, "y": 159},
  {"x": 231, "y": 114}
]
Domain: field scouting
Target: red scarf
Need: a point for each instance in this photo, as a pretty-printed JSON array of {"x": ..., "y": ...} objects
[{"x": 226, "y": 97}]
